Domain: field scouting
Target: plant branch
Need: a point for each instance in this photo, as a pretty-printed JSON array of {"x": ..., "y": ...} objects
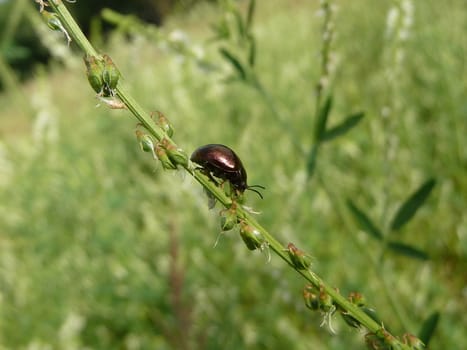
[{"x": 243, "y": 215}]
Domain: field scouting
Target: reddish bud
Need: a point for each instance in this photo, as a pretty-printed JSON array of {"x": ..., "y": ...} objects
[{"x": 299, "y": 259}]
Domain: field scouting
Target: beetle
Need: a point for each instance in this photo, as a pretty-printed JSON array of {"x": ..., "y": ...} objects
[{"x": 222, "y": 162}]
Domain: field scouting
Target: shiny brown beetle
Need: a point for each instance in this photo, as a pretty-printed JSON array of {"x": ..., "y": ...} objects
[{"x": 222, "y": 162}]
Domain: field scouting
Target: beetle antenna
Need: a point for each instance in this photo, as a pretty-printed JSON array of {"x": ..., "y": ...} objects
[{"x": 251, "y": 188}]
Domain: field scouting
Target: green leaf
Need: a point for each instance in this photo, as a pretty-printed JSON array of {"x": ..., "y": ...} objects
[
  {"x": 235, "y": 62},
  {"x": 322, "y": 119},
  {"x": 252, "y": 52},
  {"x": 428, "y": 328},
  {"x": 364, "y": 222},
  {"x": 311, "y": 161},
  {"x": 240, "y": 24},
  {"x": 407, "y": 250},
  {"x": 411, "y": 205},
  {"x": 221, "y": 30},
  {"x": 343, "y": 127},
  {"x": 250, "y": 14}
]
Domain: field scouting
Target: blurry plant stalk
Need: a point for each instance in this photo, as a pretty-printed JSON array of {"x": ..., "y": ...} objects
[{"x": 256, "y": 236}]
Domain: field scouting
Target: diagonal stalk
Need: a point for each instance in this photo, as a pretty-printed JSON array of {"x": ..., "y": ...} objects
[{"x": 242, "y": 214}]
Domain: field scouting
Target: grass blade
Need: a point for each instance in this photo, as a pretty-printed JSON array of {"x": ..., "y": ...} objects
[
  {"x": 411, "y": 205},
  {"x": 428, "y": 328},
  {"x": 252, "y": 52},
  {"x": 322, "y": 119},
  {"x": 407, "y": 250},
  {"x": 235, "y": 62},
  {"x": 364, "y": 222},
  {"x": 250, "y": 14},
  {"x": 340, "y": 129},
  {"x": 311, "y": 161}
]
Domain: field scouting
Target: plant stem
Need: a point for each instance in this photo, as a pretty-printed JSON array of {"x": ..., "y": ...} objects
[{"x": 75, "y": 32}]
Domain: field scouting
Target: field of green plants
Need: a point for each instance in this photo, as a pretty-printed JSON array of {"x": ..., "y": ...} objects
[{"x": 101, "y": 248}]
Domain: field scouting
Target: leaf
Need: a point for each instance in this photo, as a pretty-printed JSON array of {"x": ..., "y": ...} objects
[
  {"x": 221, "y": 30},
  {"x": 322, "y": 119},
  {"x": 311, "y": 161},
  {"x": 240, "y": 24},
  {"x": 252, "y": 52},
  {"x": 411, "y": 205},
  {"x": 343, "y": 127},
  {"x": 235, "y": 62},
  {"x": 364, "y": 221},
  {"x": 428, "y": 328},
  {"x": 407, "y": 250},
  {"x": 250, "y": 14}
]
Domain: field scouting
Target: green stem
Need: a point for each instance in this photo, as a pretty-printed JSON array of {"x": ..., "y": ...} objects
[
  {"x": 378, "y": 271},
  {"x": 313, "y": 278},
  {"x": 75, "y": 32},
  {"x": 72, "y": 27}
]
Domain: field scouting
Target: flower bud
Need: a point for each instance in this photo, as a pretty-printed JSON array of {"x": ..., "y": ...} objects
[
  {"x": 164, "y": 124},
  {"x": 163, "y": 157},
  {"x": 413, "y": 341},
  {"x": 228, "y": 219},
  {"x": 357, "y": 298},
  {"x": 53, "y": 22},
  {"x": 311, "y": 299},
  {"x": 231, "y": 192},
  {"x": 176, "y": 155},
  {"x": 373, "y": 342},
  {"x": 350, "y": 320},
  {"x": 387, "y": 338},
  {"x": 326, "y": 303},
  {"x": 110, "y": 74},
  {"x": 145, "y": 141},
  {"x": 94, "y": 69},
  {"x": 299, "y": 259},
  {"x": 252, "y": 237}
]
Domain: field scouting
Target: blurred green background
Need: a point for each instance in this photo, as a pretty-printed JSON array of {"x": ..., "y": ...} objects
[{"x": 100, "y": 248}]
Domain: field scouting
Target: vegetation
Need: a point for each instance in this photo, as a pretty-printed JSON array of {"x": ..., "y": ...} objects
[{"x": 102, "y": 248}]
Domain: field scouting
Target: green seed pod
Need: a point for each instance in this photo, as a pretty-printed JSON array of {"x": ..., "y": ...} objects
[
  {"x": 373, "y": 342},
  {"x": 228, "y": 219},
  {"x": 357, "y": 298},
  {"x": 231, "y": 192},
  {"x": 145, "y": 141},
  {"x": 111, "y": 74},
  {"x": 413, "y": 341},
  {"x": 310, "y": 298},
  {"x": 252, "y": 237},
  {"x": 387, "y": 338},
  {"x": 176, "y": 155},
  {"x": 164, "y": 158},
  {"x": 327, "y": 306},
  {"x": 326, "y": 303},
  {"x": 350, "y": 320},
  {"x": 94, "y": 69},
  {"x": 299, "y": 259},
  {"x": 164, "y": 124},
  {"x": 53, "y": 22}
]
